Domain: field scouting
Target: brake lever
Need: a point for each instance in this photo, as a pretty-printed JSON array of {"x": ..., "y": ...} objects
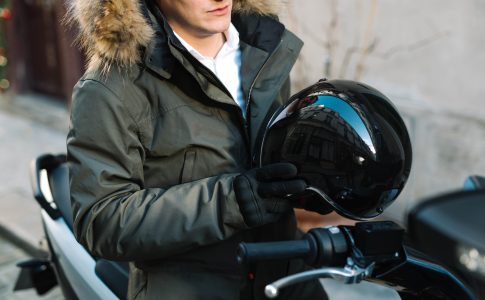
[{"x": 349, "y": 274}]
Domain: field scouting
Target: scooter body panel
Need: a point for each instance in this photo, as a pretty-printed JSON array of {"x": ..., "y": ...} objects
[{"x": 78, "y": 265}]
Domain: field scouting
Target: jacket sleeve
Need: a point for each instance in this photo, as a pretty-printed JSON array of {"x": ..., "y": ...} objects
[{"x": 115, "y": 217}]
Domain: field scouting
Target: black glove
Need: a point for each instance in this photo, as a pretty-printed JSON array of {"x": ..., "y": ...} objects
[{"x": 262, "y": 192}]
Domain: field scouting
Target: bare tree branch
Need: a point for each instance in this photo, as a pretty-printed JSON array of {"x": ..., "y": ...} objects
[{"x": 413, "y": 46}]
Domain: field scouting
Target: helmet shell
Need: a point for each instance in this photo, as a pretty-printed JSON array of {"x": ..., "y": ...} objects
[{"x": 348, "y": 142}]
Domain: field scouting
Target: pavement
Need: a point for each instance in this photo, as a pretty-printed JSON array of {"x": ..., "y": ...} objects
[{"x": 31, "y": 125}]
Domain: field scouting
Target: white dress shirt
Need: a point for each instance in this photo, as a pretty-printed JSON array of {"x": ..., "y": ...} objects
[{"x": 226, "y": 65}]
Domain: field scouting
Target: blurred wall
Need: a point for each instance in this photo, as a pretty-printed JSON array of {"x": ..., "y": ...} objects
[{"x": 427, "y": 56}]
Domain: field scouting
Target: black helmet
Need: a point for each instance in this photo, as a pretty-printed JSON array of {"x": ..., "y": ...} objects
[{"x": 348, "y": 142}]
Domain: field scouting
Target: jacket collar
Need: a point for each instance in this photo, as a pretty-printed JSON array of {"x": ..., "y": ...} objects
[
  {"x": 157, "y": 55},
  {"x": 112, "y": 32},
  {"x": 258, "y": 31}
]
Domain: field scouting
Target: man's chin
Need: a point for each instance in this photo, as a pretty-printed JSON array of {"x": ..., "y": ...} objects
[{"x": 219, "y": 27}]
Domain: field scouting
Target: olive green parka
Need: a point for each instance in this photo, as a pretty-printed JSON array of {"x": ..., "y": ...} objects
[{"x": 155, "y": 142}]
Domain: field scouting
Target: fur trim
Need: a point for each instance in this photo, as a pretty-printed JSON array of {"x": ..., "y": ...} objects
[
  {"x": 262, "y": 7},
  {"x": 111, "y": 31}
]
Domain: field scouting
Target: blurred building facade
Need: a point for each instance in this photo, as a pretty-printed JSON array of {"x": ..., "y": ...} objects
[{"x": 42, "y": 55}]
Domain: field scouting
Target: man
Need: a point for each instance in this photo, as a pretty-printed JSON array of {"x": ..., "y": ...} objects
[{"x": 164, "y": 129}]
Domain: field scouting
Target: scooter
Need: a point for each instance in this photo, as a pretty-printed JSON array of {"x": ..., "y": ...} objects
[
  {"x": 441, "y": 256},
  {"x": 79, "y": 275}
]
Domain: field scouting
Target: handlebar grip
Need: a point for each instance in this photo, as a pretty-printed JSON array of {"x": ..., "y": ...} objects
[{"x": 251, "y": 252}]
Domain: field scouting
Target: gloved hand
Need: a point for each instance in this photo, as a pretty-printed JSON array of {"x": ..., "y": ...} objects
[{"x": 262, "y": 192}]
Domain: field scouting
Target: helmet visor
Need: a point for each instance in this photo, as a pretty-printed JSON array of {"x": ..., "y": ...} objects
[{"x": 338, "y": 151}]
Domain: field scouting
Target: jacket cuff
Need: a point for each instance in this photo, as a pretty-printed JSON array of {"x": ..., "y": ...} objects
[{"x": 233, "y": 216}]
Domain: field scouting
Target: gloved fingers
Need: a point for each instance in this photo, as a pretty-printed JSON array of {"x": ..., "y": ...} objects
[
  {"x": 281, "y": 188},
  {"x": 248, "y": 202},
  {"x": 273, "y": 217},
  {"x": 242, "y": 187},
  {"x": 278, "y": 206},
  {"x": 276, "y": 171}
]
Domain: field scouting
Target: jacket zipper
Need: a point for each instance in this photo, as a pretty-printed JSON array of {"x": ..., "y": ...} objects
[
  {"x": 248, "y": 101},
  {"x": 203, "y": 69},
  {"x": 210, "y": 75}
]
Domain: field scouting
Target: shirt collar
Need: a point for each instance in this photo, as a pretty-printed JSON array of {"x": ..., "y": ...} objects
[
  {"x": 232, "y": 37},
  {"x": 232, "y": 41}
]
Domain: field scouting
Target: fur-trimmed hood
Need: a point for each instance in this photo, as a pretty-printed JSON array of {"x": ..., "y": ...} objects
[{"x": 112, "y": 31}]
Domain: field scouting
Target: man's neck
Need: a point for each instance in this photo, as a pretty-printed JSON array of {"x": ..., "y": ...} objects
[{"x": 208, "y": 45}]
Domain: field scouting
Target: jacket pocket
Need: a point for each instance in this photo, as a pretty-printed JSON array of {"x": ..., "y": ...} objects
[{"x": 186, "y": 174}]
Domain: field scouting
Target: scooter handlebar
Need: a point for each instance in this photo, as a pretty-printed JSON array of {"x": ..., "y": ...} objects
[
  {"x": 319, "y": 247},
  {"x": 251, "y": 252}
]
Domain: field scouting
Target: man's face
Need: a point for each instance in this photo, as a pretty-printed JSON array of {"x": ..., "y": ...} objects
[{"x": 199, "y": 18}]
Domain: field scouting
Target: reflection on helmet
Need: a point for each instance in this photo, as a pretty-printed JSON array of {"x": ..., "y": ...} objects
[{"x": 348, "y": 142}]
